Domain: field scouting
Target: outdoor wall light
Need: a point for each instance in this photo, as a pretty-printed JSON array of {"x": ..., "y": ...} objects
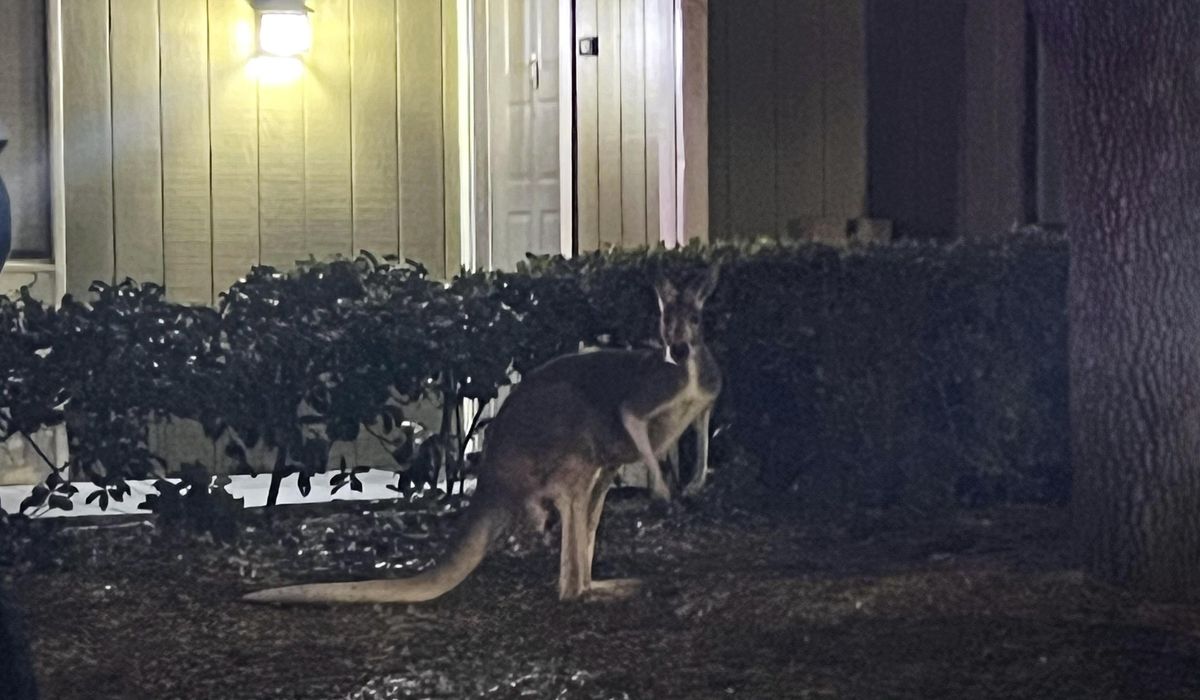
[
  {"x": 283, "y": 33},
  {"x": 283, "y": 27}
]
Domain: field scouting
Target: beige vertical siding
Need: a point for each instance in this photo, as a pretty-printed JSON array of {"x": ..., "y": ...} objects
[
  {"x": 281, "y": 226},
  {"x": 136, "y": 141},
  {"x": 915, "y": 78},
  {"x": 993, "y": 189},
  {"x": 587, "y": 138},
  {"x": 422, "y": 168},
  {"x": 950, "y": 119},
  {"x": 373, "y": 118},
  {"x": 720, "y": 106},
  {"x": 801, "y": 156},
  {"x": 608, "y": 106},
  {"x": 187, "y": 206},
  {"x": 633, "y": 123},
  {"x": 625, "y": 192},
  {"x": 184, "y": 168},
  {"x": 692, "y": 194},
  {"x": 480, "y": 131},
  {"x": 233, "y": 121},
  {"x": 845, "y": 89},
  {"x": 655, "y": 29},
  {"x": 452, "y": 152},
  {"x": 88, "y": 156},
  {"x": 328, "y": 222},
  {"x": 788, "y": 114},
  {"x": 935, "y": 92},
  {"x": 660, "y": 121},
  {"x": 753, "y": 65}
]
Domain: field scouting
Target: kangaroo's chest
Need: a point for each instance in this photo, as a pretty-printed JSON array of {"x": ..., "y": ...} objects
[{"x": 683, "y": 409}]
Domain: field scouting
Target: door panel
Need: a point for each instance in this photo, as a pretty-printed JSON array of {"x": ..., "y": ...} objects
[
  {"x": 523, "y": 72},
  {"x": 629, "y": 137}
]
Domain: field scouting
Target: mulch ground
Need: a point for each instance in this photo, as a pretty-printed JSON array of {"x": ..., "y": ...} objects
[{"x": 738, "y": 603}]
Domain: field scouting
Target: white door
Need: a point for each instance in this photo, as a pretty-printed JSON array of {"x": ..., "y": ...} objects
[{"x": 523, "y": 129}]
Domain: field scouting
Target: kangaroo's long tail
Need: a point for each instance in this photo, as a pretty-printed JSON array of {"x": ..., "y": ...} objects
[{"x": 484, "y": 523}]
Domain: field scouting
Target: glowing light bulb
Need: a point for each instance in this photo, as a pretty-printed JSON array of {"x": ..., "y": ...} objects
[{"x": 284, "y": 33}]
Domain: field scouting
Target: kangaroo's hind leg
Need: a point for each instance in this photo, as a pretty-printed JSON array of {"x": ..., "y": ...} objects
[
  {"x": 580, "y": 506},
  {"x": 700, "y": 474},
  {"x": 671, "y": 462},
  {"x": 574, "y": 569},
  {"x": 595, "y": 509},
  {"x": 612, "y": 589}
]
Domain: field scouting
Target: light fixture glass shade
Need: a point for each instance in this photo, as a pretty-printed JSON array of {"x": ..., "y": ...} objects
[{"x": 284, "y": 33}]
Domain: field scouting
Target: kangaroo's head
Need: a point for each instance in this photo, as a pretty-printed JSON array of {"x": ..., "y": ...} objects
[{"x": 680, "y": 326}]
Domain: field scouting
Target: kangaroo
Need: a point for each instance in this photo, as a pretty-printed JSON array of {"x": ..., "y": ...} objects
[
  {"x": 557, "y": 441},
  {"x": 654, "y": 394}
]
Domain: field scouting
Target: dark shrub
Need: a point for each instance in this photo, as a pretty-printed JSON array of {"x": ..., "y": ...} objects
[
  {"x": 916, "y": 373},
  {"x": 912, "y": 373}
]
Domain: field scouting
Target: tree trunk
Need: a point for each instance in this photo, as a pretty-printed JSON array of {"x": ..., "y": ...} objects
[
  {"x": 16, "y": 669},
  {"x": 1130, "y": 72}
]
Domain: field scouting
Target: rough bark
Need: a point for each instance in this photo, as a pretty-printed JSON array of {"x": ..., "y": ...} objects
[{"x": 1130, "y": 72}]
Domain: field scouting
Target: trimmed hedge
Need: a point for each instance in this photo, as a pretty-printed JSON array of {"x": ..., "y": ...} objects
[{"x": 910, "y": 373}]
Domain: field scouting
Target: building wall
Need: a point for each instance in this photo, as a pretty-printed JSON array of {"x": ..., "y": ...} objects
[
  {"x": 998, "y": 161},
  {"x": 183, "y": 168},
  {"x": 24, "y": 167},
  {"x": 693, "y": 123},
  {"x": 949, "y": 124},
  {"x": 626, "y": 190},
  {"x": 915, "y": 72},
  {"x": 24, "y": 164},
  {"x": 910, "y": 111},
  {"x": 787, "y": 114}
]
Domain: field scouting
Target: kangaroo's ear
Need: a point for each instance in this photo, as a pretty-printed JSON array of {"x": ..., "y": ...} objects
[
  {"x": 707, "y": 283},
  {"x": 667, "y": 294}
]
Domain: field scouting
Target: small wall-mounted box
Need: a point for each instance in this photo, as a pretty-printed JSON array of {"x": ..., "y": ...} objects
[{"x": 589, "y": 46}]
